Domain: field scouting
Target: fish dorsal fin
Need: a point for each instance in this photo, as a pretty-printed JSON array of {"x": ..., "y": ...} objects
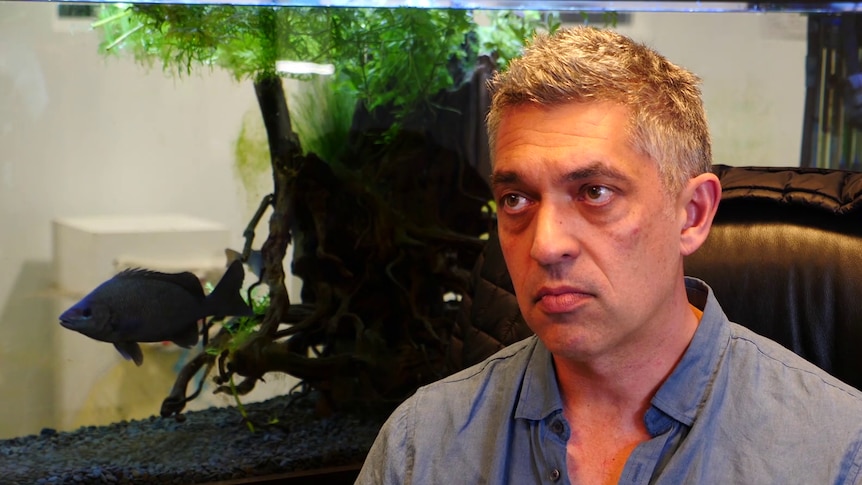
[{"x": 188, "y": 281}]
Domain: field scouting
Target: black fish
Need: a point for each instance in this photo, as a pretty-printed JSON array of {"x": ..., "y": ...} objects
[{"x": 139, "y": 305}]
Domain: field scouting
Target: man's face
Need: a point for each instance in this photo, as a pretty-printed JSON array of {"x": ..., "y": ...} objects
[{"x": 590, "y": 237}]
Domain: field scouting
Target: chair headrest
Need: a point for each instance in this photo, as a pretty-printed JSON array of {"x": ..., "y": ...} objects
[{"x": 784, "y": 258}]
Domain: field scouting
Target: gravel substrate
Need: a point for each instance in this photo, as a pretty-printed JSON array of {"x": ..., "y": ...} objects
[{"x": 208, "y": 446}]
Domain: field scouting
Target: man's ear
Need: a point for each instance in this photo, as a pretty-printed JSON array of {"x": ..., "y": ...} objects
[{"x": 699, "y": 199}]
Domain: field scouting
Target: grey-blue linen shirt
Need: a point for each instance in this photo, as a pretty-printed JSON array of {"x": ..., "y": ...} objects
[{"x": 737, "y": 409}]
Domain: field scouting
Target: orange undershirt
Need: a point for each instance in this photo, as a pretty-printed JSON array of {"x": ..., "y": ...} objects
[{"x": 696, "y": 311}]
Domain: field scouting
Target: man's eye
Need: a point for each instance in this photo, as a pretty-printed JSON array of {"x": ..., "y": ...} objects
[
  {"x": 597, "y": 194},
  {"x": 513, "y": 202}
]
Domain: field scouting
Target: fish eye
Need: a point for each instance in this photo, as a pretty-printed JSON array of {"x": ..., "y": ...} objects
[{"x": 86, "y": 312}]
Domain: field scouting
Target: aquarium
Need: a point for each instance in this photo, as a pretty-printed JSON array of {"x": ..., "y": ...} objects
[{"x": 331, "y": 146}]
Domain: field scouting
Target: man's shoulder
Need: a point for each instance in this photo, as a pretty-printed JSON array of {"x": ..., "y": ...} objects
[
  {"x": 491, "y": 385},
  {"x": 475, "y": 396},
  {"x": 509, "y": 360},
  {"x": 776, "y": 416},
  {"x": 769, "y": 366},
  {"x": 470, "y": 411}
]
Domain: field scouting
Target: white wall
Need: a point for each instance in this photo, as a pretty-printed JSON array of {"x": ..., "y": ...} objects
[
  {"x": 753, "y": 71},
  {"x": 84, "y": 135},
  {"x": 81, "y": 135}
]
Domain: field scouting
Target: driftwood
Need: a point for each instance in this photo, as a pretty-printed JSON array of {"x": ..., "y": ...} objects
[{"x": 381, "y": 240}]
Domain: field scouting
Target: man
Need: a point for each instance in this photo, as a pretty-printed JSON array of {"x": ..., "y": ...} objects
[{"x": 601, "y": 173}]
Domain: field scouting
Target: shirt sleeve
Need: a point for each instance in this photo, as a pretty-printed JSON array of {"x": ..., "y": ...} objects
[{"x": 390, "y": 460}]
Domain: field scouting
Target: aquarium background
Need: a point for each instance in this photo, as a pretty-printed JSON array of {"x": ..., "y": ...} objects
[{"x": 90, "y": 143}]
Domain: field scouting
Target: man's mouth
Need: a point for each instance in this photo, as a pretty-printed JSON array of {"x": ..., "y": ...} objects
[{"x": 562, "y": 299}]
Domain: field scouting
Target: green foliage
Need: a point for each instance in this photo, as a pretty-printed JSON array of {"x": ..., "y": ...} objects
[
  {"x": 609, "y": 18},
  {"x": 241, "y": 328},
  {"x": 397, "y": 58},
  {"x": 507, "y": 31},
  {"x": 180, "y": 38},
  {"x": 239, "y": 406},
  {"x": 322, "y": 114}
]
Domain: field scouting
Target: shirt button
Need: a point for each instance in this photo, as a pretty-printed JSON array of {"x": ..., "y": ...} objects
[
  {"x": 554, "y": 475},
  {"x": 557, "y": 427}
]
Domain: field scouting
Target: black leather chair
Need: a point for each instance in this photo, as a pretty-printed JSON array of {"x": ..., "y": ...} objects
[{"x": 784, "y": 258}]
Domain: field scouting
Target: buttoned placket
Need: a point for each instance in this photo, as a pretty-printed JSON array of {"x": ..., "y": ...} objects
[
  {"x": 558, "y": 435},
  {"x": 641, "y": 464}
]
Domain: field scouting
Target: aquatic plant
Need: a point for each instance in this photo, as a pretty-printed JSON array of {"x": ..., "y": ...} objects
[{"x": 385, "y": 228}]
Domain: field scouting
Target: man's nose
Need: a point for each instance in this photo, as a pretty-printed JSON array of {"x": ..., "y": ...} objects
[{"x": 553, "y": 240}]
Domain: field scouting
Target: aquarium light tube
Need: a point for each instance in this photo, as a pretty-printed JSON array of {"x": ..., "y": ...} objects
[{"x": 300, "y": 67}]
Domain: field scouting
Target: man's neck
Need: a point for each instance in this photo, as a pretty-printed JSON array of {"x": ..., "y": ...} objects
[
  {"x": 626, "y": 380},
  {"x": 605, "y": 400}
]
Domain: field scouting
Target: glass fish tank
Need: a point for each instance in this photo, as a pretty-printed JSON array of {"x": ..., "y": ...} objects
[{"x": 236, "y": 234}]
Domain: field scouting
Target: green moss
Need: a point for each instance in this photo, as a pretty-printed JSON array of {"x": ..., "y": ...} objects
[{"x": 251, "y": 153}]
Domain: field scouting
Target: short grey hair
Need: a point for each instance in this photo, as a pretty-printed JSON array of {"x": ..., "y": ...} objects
[{"x": 582, "y": 64}]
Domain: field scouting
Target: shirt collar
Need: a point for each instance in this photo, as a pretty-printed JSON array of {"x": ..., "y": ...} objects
[
  {"x": 682, "y": 394},
  {"x": 539, "y": 396}
]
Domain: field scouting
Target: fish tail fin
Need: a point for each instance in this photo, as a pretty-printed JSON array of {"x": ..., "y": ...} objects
[
  {"x": 225, "y": 298},
  {"x": 254, "y": 261},
  {"x": 232, "y": 255}
]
